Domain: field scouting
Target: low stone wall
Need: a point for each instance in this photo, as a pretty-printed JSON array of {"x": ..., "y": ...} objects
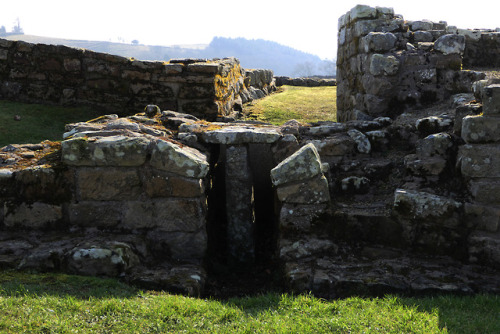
[
  {"x": 304, "y": 82},
  {"x": 62, "y": 75},
  {"x": 385, "y": 63}
]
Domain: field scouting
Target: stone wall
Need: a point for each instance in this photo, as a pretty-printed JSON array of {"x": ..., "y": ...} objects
[
  {"x": 162, "y": 198},
  {"x": 385, "y": 63},
  {"x": 482, "y": 48},
  {"x": 62, "y": 75},
  {"x": 305, "y": 82}
]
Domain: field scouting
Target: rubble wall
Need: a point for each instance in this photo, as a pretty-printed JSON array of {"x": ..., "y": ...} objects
[
  {"x": 62, "y": 75},
  {"x": 385, "y": 63}
]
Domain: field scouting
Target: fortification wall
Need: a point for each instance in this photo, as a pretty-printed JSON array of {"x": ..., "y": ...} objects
[
  {"x": 62, "y": 75},
  {"x": 385, "y": 63}
]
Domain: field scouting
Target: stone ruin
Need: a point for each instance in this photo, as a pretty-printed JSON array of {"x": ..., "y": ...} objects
[
  {"x": 209, "y": 89},
  {"x": 391, "y": 200}
]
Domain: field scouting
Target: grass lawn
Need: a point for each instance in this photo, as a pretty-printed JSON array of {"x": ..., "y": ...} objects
[
  {"x": 57, "y": 303},
  {"x": 37, "y": 122},
  {"x": 305, "y": 104}
]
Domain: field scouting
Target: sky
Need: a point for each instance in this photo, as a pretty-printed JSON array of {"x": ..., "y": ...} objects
[{"x": 309, "y": 26}]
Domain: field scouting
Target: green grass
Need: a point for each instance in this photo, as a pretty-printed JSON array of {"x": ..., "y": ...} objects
[
  {"x": 38, "y": 122},
  {"x": 305, "y": 104},
  {"x": 57, "y": 303}
]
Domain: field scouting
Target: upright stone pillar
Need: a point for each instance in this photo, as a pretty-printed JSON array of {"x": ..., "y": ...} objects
[{"x": 239, "y": 206}]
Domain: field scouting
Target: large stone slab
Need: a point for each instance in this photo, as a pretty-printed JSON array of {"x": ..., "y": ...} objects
[
  {"x": 481, "y": 129},
  {"x": 477, "y": 160},
  {"x": 170, "y": 215},
  {"x": 234, "y": 135},
  {"x": 302, "y": 165},
  {"x": 184, "y": 161},
  {"x": 105, "y": 151}
]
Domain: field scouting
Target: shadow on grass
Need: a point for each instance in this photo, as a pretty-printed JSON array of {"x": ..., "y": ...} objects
[
  {"x": 461, "y": 314},
  {"x": 82, "y": 287}
]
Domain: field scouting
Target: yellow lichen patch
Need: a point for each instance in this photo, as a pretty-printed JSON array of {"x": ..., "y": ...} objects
[
  {"x": 48, "y": 155},
  {"x": 224, "y": 84}
]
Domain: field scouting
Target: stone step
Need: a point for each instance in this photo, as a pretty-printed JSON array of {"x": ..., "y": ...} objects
[{"x": 331, "y": 278}]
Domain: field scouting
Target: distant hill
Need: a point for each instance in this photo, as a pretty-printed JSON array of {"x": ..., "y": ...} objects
[{"x": 283, "y": 60}]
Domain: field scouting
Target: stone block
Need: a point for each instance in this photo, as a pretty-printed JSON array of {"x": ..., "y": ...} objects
[
  {"x": 425, "y": 206},
  {"x": 161, "y": 184},
  {"x": 109, "y": 259},
  {"x": 421, "y": 25},
  {"x": 477, "y": 160},
  {"x": 362, "y": 12},
  {"x": 484, "y": 248},
  {"x": 179, "y": 246},
  {"x": 184, "y": 161},
  {"x": 95, "y": 214},
  {"x": 362, "y": 142},
  {"x": 425, "y": 165},
  {"x": 303, "y": 164},
  {"x": 485, "y": 190},
  {"x": 450, "y": 44},
  {"x": 422, "y": 36},
  {"x": 294, "y": 250},
  {"x": 170, "y": 215},
  {"x": 105, "y": 151},
  {"x": 314, "y": 191},
  {"x": 437, "y": 144},
  {"x": 35, "y": 215},
  {"x": 378, "y": 42},
  {"x": 481, "y": 129},
  {"x": 383, "y": 65},
  {"x": 491, "y": 100},
  {"x": 482, "y": 217},
  {"x": 194, "y": 91},
  {"x": 43, "y": 183},
  {"x": 338, "y": 145},
  {"x": 300, "y": 217},
  {"x": 108, "y": 184}
]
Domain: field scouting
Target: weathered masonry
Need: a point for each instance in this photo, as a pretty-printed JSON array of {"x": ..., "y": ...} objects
[
  {"x": 63, "y": 75},
  {"x": 401, "y": 201}
]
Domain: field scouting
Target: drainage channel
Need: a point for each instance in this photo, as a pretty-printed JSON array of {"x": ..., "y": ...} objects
[{"x": 242, "y": 225}]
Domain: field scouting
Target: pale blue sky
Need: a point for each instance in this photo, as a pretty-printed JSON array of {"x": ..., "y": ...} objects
[{"x": 310, "y": 25}]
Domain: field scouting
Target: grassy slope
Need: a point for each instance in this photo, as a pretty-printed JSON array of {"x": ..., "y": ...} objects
[
  {"x": 301, "y": 103},
  {"x": 55, "y": 303},
  {"x": 38, "y": 122}
]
